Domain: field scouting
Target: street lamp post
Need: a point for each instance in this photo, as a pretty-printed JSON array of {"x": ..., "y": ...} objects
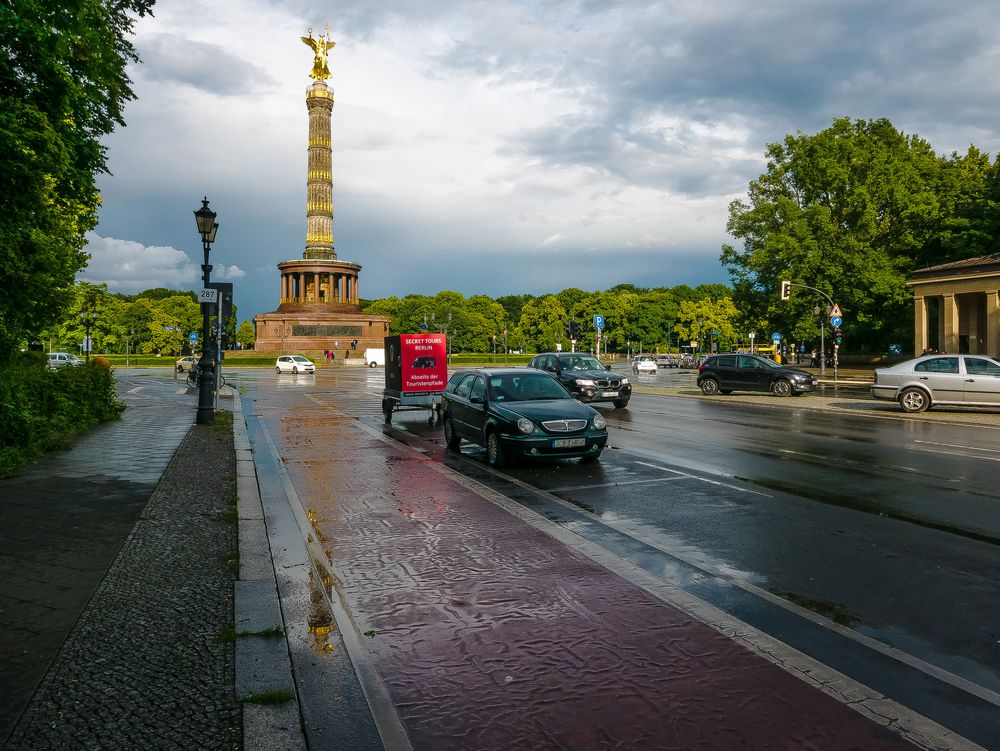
[
  {"x": 88, "y": 318},
  {"x": 207, "y": 227}
]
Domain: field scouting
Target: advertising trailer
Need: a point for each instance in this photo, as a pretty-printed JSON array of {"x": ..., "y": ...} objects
[{"x": 416, "y": 372}]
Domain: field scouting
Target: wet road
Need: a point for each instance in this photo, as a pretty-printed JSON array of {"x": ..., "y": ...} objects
[{"x": 869, "y": 544}]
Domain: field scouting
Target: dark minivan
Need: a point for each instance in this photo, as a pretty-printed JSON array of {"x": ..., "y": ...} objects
[{"x": 724, "y": 374}]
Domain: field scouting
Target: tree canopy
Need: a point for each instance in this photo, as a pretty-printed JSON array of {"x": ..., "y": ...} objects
[
  {"x": 851, "y": 211},
  {"x": 63, "y": 86}
]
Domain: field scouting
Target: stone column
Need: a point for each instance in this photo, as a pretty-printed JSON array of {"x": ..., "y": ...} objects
[
  {"x": 992, "y": 323},
  {"x": 319, "y": 179},
  {"x": 919, "y": 325},
  {"x": 949, "y": 324}
]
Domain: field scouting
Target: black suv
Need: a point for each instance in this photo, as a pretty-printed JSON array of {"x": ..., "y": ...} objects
[
  {"x": 585, "y": 377},
  {"x": 724, "y": 374}
]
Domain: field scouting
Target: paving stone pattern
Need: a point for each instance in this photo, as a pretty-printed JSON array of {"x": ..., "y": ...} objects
[
  {"x": 63, "y": 519},
  {"x": 144, "y": 668}
]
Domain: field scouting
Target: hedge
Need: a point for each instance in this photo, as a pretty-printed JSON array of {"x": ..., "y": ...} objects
[{"x": 42, "y": 409}]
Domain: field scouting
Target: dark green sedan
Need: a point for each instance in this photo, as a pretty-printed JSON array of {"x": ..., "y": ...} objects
[{"x": 519, "y": 413}]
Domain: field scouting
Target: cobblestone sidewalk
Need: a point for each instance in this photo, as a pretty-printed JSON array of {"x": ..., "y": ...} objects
[{"x": 148, "y": 665}]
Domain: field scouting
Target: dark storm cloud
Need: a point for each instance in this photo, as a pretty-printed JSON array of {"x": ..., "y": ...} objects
[
  {"x": 767, "y": 69},
  {"x": 168, "y": 58}
]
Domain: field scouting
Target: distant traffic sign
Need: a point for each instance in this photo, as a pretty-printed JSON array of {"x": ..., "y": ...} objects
[
  {"x": 598, "y": 321},
  {"x": 836, "y": 321},
  {"x": 836, "y": 311},
  {"x": 776, "y": 337}
]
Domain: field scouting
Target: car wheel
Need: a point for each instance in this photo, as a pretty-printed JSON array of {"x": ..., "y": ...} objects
[
  {"x": 387, "y": 410},
  {"x": 781, "y": 388},
  {"x": 590, "y": 458},
  {"x": 180, "y": 368},
  {"x": 295, "y": 370},
  {"x": 451, "y": 438},
  {"x": 914, "y": 400},
  {"x": 278, "y": 371},
  {"x": 620, "y": 403},
  {"x": 710, "y": 387},
  {"x": 494, "y": 451},
  {"x": 372, "y": 364}
]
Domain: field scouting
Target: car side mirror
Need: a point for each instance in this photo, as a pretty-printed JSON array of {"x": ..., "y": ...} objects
[
  {"x": 476, "y": 400},
  {"x": 607, "y": 366}
]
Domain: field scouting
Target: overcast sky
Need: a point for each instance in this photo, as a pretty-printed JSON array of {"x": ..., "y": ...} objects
[{"x": 502, "y": 147}]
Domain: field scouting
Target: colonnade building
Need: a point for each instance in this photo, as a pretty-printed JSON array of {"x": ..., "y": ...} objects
[{"x": 956, "y": 307}]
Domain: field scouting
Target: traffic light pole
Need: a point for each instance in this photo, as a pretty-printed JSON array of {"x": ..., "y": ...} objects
[{"x": 786, "y": 291}]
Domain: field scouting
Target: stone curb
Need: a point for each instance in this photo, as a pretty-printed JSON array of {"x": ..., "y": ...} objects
[{"x": 263, "y": 663}]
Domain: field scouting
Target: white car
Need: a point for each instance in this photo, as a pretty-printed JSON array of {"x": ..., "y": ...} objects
[
  {"x": 294, "y": 364},
  {"x": 62, "y": 359},
  {"x": 644, "y": 364},
  {"x": 953, "y": 380}
]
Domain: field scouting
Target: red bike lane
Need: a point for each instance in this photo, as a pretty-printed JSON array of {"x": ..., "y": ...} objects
[{"x": 488, "y": 633}]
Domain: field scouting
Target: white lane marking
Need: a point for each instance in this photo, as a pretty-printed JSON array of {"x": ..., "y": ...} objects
[
  {"x": 705, "y": 479},
  {"x": 958, "y": 453},
  {"x": 136, "y": 390},
  {"x": 960, "y": 446},
  {"x": 569, "y": 488}
]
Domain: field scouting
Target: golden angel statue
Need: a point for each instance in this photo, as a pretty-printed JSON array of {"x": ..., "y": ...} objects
[{"x": 320, "y": 46}]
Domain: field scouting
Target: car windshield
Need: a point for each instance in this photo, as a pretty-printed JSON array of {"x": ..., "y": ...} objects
[
  {"x": 580, "y": 362},
  {"x": 524, "y": 387},
  {"x": 299, "y": 359}
]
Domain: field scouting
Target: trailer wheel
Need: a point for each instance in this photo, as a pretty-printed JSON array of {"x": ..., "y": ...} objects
[{"x": 387, "y": 410}]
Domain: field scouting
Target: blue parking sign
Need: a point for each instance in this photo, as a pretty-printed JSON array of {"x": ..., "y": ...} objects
[{"x": 598, "y": 321}]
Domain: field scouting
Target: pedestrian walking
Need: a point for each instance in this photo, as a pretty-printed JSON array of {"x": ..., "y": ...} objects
[{"x": 815, "y": 360}]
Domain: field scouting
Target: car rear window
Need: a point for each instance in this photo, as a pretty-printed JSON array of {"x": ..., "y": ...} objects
[{"x": 979, "y": 366}]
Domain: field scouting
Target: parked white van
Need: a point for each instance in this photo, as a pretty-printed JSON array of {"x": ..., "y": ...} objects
[{"x": 374, "y": 357}]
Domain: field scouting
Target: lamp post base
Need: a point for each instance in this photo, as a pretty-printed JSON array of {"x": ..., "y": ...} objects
[{"x": 206, "y": 389}]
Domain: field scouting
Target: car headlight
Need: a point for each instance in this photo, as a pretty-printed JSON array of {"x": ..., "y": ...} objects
[
  {"x": 624, "y": 381},
  {"x": 600, "y": 423},
  {"x": 525, "y": 425},
  {"x": 584, "y": 382}
]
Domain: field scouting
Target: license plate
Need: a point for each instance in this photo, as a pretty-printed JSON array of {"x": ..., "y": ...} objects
[
  {"x": 568, "y": 443},
  {"x": 609, "y": 393}
]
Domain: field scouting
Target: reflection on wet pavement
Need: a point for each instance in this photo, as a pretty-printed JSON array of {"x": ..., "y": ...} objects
[{"x": 489, "y": 634}]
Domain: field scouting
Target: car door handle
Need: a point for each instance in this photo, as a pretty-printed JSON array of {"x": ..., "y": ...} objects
[
  {"x": 922, "y": 378},
  {"x": 970, "y": 380}
]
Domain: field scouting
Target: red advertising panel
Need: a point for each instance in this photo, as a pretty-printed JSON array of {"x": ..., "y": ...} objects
[{"x": 424, "y": 362}]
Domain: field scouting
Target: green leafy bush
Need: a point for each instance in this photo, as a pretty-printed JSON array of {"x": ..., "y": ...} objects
[{"x": 42, "y": 409}]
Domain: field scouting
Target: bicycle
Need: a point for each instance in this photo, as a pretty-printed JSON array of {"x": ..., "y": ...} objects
[{"x": 192, "y": 379}]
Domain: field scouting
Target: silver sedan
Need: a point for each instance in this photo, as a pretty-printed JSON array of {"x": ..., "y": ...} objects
[{"x": 954, "y": 380}]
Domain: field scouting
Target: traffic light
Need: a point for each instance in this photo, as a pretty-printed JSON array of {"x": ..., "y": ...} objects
[
  {"x": 574, "y": 330},
  {"x": 569, "y": 329},
  {"x": 837, "y": 336},
  {"x": 786, "y": 290}
]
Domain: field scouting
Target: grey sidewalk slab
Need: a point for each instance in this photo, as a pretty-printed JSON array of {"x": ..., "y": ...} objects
[{"x": 63, "y": 520}]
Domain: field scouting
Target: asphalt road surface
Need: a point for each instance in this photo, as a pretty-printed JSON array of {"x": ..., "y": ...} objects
[{"x": 870, "y": 543}]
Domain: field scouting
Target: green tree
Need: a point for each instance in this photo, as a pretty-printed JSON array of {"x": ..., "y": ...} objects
[
  {"x": 541, "y": 325},
  {"x": 850, "y": 211},
  {"x": 246, "y": 336},
  {"x": 63, "y": 86}
]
